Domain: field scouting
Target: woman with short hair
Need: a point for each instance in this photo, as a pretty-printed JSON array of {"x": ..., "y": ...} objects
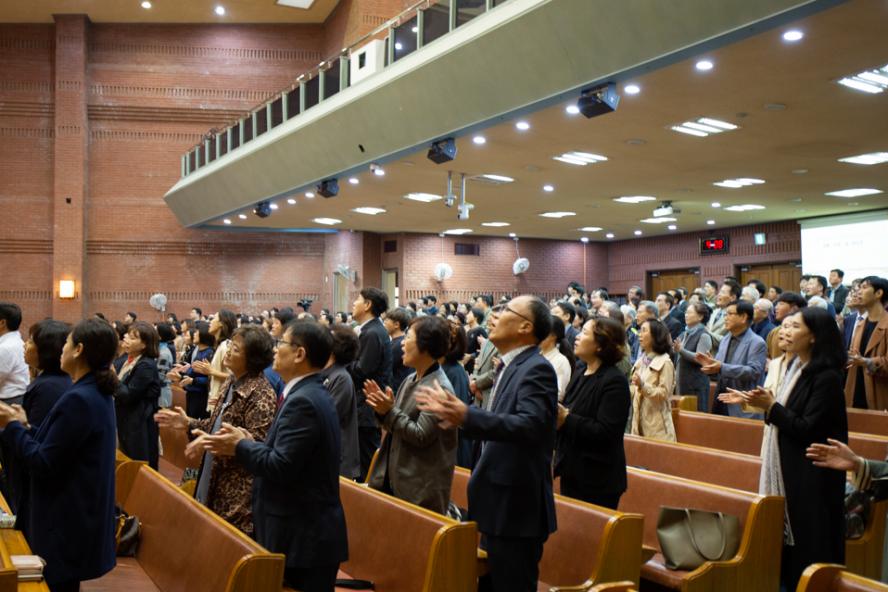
[
  {"x": 138, "y": 394},
  {"x": 693, "y": 340},
  {"x": 652, "y": 383},
  {"x": 341, "y": 387}
]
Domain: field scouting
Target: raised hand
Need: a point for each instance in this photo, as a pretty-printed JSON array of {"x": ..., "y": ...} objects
[
  {"x": 834, "y": 455},
  {"x": 172, "y": 418}
]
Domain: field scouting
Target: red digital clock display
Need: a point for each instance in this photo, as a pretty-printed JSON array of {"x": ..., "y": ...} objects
[{"x": 713, "y": 245}]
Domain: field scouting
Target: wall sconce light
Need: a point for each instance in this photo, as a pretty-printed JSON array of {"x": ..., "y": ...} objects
[{"x": 67, "y": 289}]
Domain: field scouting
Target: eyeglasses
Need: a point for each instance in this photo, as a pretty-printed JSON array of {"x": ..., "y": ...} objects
[
  {"x": 515, "y": 312},
  {"x": 279, "y": 342}
]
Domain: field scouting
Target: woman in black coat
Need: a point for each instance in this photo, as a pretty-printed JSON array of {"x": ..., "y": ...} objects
[
  {"x": 589, "y": 455},
  {"x": 808, "y": 408},
  {"x": 136, "y": 398}
]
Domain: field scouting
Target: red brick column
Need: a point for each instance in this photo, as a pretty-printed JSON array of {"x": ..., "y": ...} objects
[{"x": 70, "y": 163}]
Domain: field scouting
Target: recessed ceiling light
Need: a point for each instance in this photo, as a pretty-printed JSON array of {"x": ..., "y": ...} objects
[
  {"x": 479, "y": 140},
  {"x": 496, "y": 178},
  {"x": 291, "y": 201},
  {"x": 634, "y": 199},
  {"x": 220, "y": 10},
  {"x": 704, "y": 126},
  {"x": 369, "y": 210},
  {"x": 637, "y": 233},
  {"x": 580, "y": 158},
  {"x": 353, "y": 180},
  {"x": 738, "y": 183},
  {"x": 399, "y": 46},
  {"x": 379, "y": 172},
  {"x": 590, "y": 228},
  {"x": 327, "y": 221},
  {"x": 609, "y": 235},
  {"x": 227, "y": 221},
  {"x": 548, "y": 188},
  {"x": 423, "y": 197},
  {"x": 273, "y": 206},
  {"x": 704, "y": 65},
  {"x": 572, "y": 110},
  {"x": 632, "y": 89},
  {"x": 861, "y": 192},
  {"x": 512, "y": 235},
  {"x": 867, "y": 159},
  {"x": 458, "y": 231},
  {"x": 242, "y": 216},
  {"x": 584, "y": 239},
  {"x": 793, "y": 35},
  {"x": 716, "y": 204},
  {"x": 672, "y": 227},
  {"x": 495, "y": 224},
  {"x": 868, "y": 81},
  {"x": 711, "y": 222},
  {"x": 657, "y": 220},
  {"x": 309, "y": 194},
  {"x": 557, "y": 214},
  {"x": 522, "y": 125},
  {"x": 146, "y": 5},
  {"x": 744, "y": 208},
  {"x": 414, "y": 29}
]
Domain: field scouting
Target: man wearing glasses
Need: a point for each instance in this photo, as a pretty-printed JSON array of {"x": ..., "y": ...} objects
[
  {"x": 481, "y": 380},
  {"x": 510, "y": 491}
]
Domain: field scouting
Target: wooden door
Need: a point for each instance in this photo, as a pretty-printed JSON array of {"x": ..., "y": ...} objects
[
  {"x": 661, "y": 281},
  {"x": 390, "y": 285},
  {"x": 785, "y": 275}
]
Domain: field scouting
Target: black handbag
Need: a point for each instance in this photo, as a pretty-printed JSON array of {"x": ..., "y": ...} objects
[{"x": 127, "y": 534}]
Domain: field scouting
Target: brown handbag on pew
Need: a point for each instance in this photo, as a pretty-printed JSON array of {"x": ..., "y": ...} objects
[{"x": 689, "y": 538}]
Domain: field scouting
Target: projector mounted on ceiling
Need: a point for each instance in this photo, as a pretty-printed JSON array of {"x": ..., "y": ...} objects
[{"x": 665, "y": 209}]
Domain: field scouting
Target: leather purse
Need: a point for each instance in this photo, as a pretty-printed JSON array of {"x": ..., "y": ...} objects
[{"x": 689, "y": 538}]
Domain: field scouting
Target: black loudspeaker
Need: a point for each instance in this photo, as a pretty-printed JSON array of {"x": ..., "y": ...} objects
[
  {"x": 442, "y": 151},
  {"x": 262, "y": 209},
  {"x": 328, "y": 188},
  {"x": 599, "y": 101}
]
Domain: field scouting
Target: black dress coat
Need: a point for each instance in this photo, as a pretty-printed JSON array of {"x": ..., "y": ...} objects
[
  {"x": 589, "y": 456},
  {"x": 815, "y": 497},
  {"x": 296, "y": 505},
  {"x": 374, "y": 362},
  {"x": 136, "y": 402}
]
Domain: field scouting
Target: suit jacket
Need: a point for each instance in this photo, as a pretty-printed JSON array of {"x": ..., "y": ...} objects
[
  {"x": 296, "y": 507},
  {"x": 840, "y": 294},
  {"x": 510, "y": 491},
  {"x": 68, "y": 512},
  {"x": 484, "y": 371},
  {"x": 848, "y": 324},
  {"x": 716, "y": 325},
  {"x": 590, "y": 443},
  {"x": 749, "y": 356},
  {"x": 374, "y": 362},
  {"x": 339, "y": 383},
  {"x": 876, "y": 382},
  {"x": 136, "y": 402},
  {"x": 675, "y": 327},
  {"x": 417, "y": 454},
  {"x": 815, "y": 497}
]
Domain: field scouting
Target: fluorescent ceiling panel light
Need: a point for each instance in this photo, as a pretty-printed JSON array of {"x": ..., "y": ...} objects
[
  {"x": 661, "y": 220},
  {"x": 738, "y": 183},
  {"x": 568, "y": 160},
  {"x": 369, "y": 211},
  {"x": 303, "y": 4},
  {"x": 423, "y": 197},
  {"x": 590, "y": 228},
  {"x": 497, "y": 178},
  {"x": 686, "y": 130},
  {"x": 860, "y": 192},
  {"x": 458, "y": 231},
  {"x": 744, "y": 208},
  {"x": 327, "y": 221},
  {"x": 634, "y": 199},
  {"x": 580, "y": 158},
  {"x": 557, "y": 214},
  {"x": 867, "y": 159},
  {"x": 717, "y": 123},
  {"x": 495, "y": 224},
  {"x": 869, "y": 81},
  {"x": 703, "y": 128}
]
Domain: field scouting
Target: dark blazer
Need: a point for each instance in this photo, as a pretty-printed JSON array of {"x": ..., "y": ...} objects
[
  {"x": 68, "y": 513},
  {"x": 841, "y": 294},
  {"x": 296, "y": 507},
  {"x": 675, "y": 327},
  {"x": 848, "y": 329},
  {"x": 374, "y": 363},
  {"x": 136, "y": 404},
  {"x": 590, "y": 443},
  {"x": 815, "y": 497},
  {"x": 510, "y": 491},
  {"x": 400, "y": 372},
  {"x": 339, "y": 384}
]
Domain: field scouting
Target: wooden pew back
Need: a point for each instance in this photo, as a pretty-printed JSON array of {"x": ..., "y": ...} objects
[
  {"x": 868, "y": 422},
  {"x": 174, "y": 440},
  {"x": 399, "y": 546},
  {"x": 186, "y": 547},
  {"x": 824, "y": 577}
]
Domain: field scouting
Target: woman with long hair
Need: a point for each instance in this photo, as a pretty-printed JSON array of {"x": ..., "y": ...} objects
[
  {"x": 138, "y": 393},
  {"x": 652, "y": 383},
  {"x": 556, "y": 349},
  {"x": 221, "y": 328}
]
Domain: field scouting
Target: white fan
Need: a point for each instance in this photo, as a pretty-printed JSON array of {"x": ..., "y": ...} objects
[
  {"x": 158, "y": 302},
  {"x": 443, "y": 271},
  {"x": 520, "y": 266}
]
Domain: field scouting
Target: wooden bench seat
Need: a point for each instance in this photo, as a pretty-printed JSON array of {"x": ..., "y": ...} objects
[
  {"x": 825, "y": 577},
  {"x": 401, "y": 547},
  {"x": 757, "y": 563},
  {"x": 592, "y": 545},
  {"x": 863, "y": 556},
  {"x": 12, "y": 542},
  {"x": 868, "y": 422},
  {"x": 184, "y": 547}
]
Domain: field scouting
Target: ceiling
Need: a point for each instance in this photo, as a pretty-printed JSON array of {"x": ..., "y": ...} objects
[
  {"x": 165, "y": 11},
  {"x": 794, "y": 120}
]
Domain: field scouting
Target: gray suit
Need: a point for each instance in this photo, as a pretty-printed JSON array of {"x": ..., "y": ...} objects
[
  {"x": 484, "y": 371},
  {"x": 745, "y": 368},
  {"x": 417, "y": 454}
]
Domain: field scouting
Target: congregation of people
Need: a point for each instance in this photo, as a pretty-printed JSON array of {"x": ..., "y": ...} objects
[{"x": 280, "y": 405}]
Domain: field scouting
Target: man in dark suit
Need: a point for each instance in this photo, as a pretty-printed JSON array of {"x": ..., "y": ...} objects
[
  {"x": 838, "y": 292},
  {"x": 374, "y": 362},
  {"x": 296, "y": 506},
  {"x": 665, "y": 302},
  {"x": 567, "y": 313},
  {"x": 510, "y": 492}
]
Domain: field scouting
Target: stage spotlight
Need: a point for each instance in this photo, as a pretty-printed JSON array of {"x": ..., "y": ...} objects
[
  {"x": 262, "y": 209},
  {"x": 442, "y": 151},
  {"x": 599, "y": 101},
  {"x": 328, "y": 188}
]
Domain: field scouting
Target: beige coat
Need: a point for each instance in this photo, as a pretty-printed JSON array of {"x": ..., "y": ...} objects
[
  {"x": 875, "y": 378},
  {"x": 651, "y": 410}
]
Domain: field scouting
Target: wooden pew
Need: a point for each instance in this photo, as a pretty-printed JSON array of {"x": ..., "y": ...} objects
[
  {"x": 12, "y": 542},
  {"x": 825, "y": 577},
  {"x": 184, "y": 547},
  {"x": 592, "y": 545},
  {"x": 741, "y": 471},
  {"x": 742, "y": 435},
  {"x": 868, "y": 422},
  {"x": 757, "y": 563},
  {"x": 686, "y": 402},
  {"x": 401, "y": 547},
  {"x": 174, "y": 440}
]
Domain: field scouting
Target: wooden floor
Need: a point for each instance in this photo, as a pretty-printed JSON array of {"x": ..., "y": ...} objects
[{"x": 128, "y": 576}]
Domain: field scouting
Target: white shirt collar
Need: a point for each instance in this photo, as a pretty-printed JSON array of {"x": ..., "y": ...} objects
[
  {"x": 292, "y": 384},
  {"x": 510, "y": 357}
]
